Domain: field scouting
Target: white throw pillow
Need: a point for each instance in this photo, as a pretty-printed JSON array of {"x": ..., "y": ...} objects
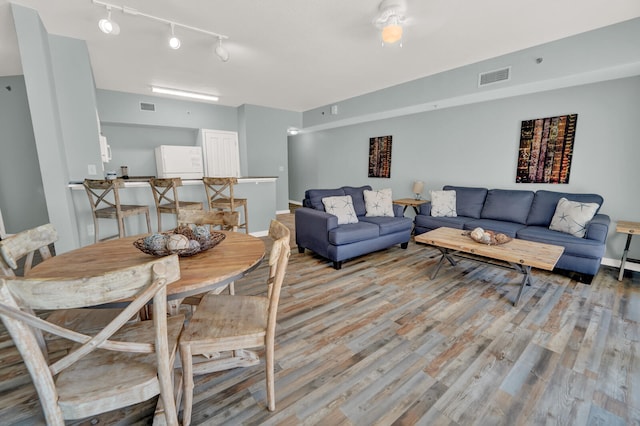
[
  {"x": 573, "y": 217},
  {"x": 378, "y": 203},
  {"x": 443, "y": 203},
  {"x": 341, "y": 207}
]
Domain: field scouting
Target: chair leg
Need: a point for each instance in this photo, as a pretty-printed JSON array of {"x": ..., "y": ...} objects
[
  {"x": 232, "y": 288},
  {"x": 271, "y": 395},
  {"x": 246, "y": 219},
  {"x": 96, "y": 229},
  {"x": 148, "y": 222},
  {"x": 187, "y": 380},
  {"x": 121, "y": 231}
]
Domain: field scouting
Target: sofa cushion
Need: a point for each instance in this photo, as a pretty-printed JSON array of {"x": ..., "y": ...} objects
[
  {"x": 545, "y": 202},
  {"x": 342, "y": 207},
  {"x": 573, "y": 217},
  {"x": 443, "y": 203},
  {"x": 573, "y": 246},
  {"x": 378, "y": 203},
  {"x": 315, "y": 196},
  {"x": 353, "y": 232},
  {"x": 431, "y": 222},
  {"x": 508, "y": 228},
  {"x": 390, "y": 225},
  {"x": 357, "y": 195},
  {"x": 508, "y": 205},
  {"x": 469, "y": 201}
]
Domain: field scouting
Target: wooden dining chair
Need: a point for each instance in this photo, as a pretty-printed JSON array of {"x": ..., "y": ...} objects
[
  {"x": 104, "y": 197},
  {"x": 234, "y": 324},
  {"x": 219, "y": 192},
  {"x": 222, "y": 219},
  {"x": 123, "y": 364},
  {"x": 165, "y": 195},
  {"x": 24, "y": 245}
]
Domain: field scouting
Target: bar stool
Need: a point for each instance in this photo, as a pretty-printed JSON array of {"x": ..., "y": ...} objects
[
  {"x": 165, "y": 194},
  {"x": 98, "y": 192},
  {"x": 220, "y": 195}
]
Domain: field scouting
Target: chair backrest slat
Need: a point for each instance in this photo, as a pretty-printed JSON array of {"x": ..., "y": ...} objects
[{"x": 278, "y": 260}]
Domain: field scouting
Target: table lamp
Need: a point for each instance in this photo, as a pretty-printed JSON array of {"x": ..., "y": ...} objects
[{"x": 418, "y": 187}]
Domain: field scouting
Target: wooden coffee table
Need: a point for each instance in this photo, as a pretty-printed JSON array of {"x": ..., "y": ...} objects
[{"x": 520, "y": 255}]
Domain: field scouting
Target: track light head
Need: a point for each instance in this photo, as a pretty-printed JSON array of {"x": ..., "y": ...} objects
[
  {"x": 221, "y": 52},
  {"x": 174, "y": 42},
  {"x": 108, "y": 26}
]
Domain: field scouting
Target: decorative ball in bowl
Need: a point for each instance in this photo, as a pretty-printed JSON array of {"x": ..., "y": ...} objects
[
  {"x": 183, "y": 241},
  {"x": 488, "y": 237}
]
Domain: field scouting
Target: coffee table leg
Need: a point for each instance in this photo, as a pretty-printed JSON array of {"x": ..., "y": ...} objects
[
  {"x": 526, "y": 279},
  {"x": 445, "y": 255}
]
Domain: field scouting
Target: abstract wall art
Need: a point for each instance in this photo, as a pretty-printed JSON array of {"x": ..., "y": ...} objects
[
  {"x": 380, "y": 157},
  {"x": 546, "y": 149}
]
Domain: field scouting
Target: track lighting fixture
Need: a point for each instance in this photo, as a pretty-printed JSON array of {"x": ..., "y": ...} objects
[
  {"x": 174, "y": 42},
  {"x": 221, "y": 52},
  {"x": 107, "y": 26}
]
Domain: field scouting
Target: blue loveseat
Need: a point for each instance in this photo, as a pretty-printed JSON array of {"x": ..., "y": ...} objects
[
  {"x": 526, "y": 215},
  {"x": 319, "y": 231}
]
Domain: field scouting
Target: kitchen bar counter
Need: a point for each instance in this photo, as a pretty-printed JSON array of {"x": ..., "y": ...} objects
[{"x": 260, "y": 191}]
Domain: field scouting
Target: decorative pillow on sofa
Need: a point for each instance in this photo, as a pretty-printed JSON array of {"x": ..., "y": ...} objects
[
  {"x": 573, "y": 217},
  {"x": 443, "y": 203},
  {"x": 341, "y": 207},
  {"x": 378, "y": 203}
]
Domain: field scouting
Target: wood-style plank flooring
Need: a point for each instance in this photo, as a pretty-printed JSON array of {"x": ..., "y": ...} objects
[{"x": 379, "y": 342}]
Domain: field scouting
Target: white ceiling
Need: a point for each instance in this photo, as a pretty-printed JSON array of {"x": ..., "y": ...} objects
[{"x": 301, "y": 54}]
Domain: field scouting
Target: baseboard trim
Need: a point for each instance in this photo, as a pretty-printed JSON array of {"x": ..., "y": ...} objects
[
  {"x": 260, "y": 233},
  {"x": 283, "y": 211},
  {"x": 630, "y": 266},
  {"x": 297, "y": 203}
]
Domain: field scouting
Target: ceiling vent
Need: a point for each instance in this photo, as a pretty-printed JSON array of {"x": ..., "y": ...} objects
[
  {"x": 494, "y": 76},
  {"x": 145, "y": 106}
]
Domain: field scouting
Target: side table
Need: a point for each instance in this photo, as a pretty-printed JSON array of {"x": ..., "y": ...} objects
[
  {"x": 406, "y": 202},
  {"x": 629, "y": 228}
]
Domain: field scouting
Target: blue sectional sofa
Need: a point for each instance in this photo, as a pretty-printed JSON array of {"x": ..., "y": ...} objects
[
  {"x": 319, "y": 231},
  {"x": 526, "y": 215}
]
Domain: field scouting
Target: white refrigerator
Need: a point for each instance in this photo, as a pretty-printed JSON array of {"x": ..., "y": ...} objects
[{"x": 179, "y": 161}]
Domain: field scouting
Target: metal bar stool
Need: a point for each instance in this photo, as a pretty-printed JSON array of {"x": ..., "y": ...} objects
[
  {"x": 99, "y": 193},
  {"x": 165, "y": 194},
  {"x": 220, "y": 195}
]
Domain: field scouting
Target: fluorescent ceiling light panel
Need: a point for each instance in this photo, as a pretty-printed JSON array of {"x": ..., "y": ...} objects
[{"x": 176, "y": 92}]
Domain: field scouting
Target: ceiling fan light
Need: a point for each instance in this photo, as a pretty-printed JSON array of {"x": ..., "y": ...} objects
[{"x": 392, "y": 33}]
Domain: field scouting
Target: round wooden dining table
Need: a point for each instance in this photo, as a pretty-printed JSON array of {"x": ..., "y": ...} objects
[{"x": 206, "y": 271}]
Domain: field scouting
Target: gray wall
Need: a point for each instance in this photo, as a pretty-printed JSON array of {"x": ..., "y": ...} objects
[
  {"x": 20, "y": 179},
  {"x": 265, "y": 130},
  {"x": 477, "y": 145}
]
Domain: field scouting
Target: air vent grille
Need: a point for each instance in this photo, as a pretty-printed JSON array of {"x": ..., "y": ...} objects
[
  {"x": 494, "y": 76},
  {"x": 145, "y": 106}
]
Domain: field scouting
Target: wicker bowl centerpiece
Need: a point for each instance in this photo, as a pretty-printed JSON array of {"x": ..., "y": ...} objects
[
  {"x": 488, "y": 237},
  {"x": 183, "y": 241}
]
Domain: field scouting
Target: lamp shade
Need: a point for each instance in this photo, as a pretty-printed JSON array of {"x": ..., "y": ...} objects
[{"x": 418, "y": 187}]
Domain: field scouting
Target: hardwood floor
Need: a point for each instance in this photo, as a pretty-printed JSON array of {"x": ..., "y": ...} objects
[{"x": 379, "y": 342}]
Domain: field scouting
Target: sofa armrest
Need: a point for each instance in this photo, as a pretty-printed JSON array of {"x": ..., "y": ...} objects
[
  {"x": 425, "y": 209},
  {"x": 398, "y": 210},
  {"x": 598, "y": 228},
  {"x": 313, "y": 226}
]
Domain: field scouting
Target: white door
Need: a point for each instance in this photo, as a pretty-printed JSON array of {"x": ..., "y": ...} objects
[{"x": 221, "y": 153}]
